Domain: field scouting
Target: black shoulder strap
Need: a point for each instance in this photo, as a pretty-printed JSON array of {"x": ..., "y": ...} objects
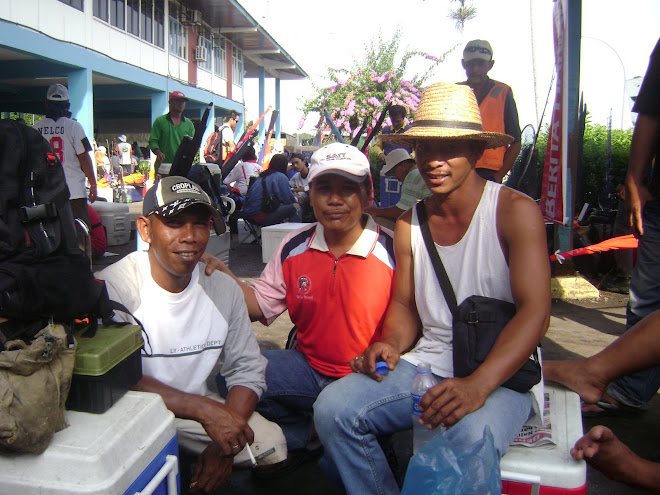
[{"x": 439, "y": 268}]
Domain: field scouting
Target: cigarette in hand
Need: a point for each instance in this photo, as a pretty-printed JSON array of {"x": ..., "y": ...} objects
[{"x": 254, "y": 461}]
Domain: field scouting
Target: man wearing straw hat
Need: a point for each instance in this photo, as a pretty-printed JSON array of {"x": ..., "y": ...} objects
[
  {"x": 492, "y": 243},
  {"x": 497, "y": 107}
]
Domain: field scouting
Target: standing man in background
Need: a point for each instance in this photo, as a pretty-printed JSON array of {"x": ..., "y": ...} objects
[
  {"x": 497, "y": 106},
  {"x": 69, "y": 142},
  {"x": 168, "y": 130},
  {"x": 227, "y": 131},
  {"x": 398, "y": 126},
  {"x": 125, "y": 152}
]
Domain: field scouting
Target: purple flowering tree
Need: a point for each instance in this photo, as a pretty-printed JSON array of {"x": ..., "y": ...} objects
[{"x": 362, "y": 92}]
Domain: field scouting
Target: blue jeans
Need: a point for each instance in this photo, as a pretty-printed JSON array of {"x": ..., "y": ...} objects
[
  {"x": 292, "y": 388},
  {"x": 352, "y": 412},
  {"x": 283, "y": 212},
  {"x": 637, "y": 389}
]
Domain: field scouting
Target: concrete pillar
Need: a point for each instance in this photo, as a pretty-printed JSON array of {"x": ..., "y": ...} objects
[{"x": 81, "y": 97}]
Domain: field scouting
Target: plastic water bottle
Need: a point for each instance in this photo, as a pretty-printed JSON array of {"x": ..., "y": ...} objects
[{"x": 423, "y": 381}]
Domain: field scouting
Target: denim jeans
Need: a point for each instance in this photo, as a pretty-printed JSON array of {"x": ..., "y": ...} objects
[
  {"x": 292, "y": 388},
  {"x": 637, "y": 389},
  {"x": 352, "y": 412},
  {"x": 283, "y": 212}
]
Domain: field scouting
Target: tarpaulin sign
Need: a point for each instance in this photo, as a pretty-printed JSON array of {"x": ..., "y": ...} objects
[{"x": 553, "y": 191}]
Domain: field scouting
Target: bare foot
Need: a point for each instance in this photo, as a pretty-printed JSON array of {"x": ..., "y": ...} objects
[
  {"x": 577, "y": 376},
  {"x": 602, "y": 450}
]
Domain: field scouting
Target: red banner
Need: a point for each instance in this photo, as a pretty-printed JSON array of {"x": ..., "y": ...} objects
[{"x": 552, "y": 191}]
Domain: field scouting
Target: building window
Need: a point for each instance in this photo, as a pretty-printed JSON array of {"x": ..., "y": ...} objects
[
  {"x": 76, "y": 4},
  {"x": 178, "y": 43},
  {"x": 101, "y": 9},
  {"x": 143, "y": 18},
  {"x": 133, "y": 17},
  {"x": 117, "y": 8},
  {"x": 206, "y": 43},
  {"x": 159, "y": 23},
  {"x": 237, "y": 63},
  {"x": 146, "y": 20},
  {"x": 220, "y": 57}
]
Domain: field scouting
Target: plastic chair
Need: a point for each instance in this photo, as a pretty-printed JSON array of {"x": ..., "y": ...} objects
[{"x": 253, "y": 232}]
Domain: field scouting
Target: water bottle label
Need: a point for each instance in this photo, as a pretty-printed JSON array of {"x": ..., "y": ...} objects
[{"x": 415, "y": 404}]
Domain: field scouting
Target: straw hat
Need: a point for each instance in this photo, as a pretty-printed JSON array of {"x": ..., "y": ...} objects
[{"x": 448, "y": 111}]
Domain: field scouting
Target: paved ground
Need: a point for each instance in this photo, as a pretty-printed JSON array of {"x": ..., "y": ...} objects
[{"x": 577, "y": 329}]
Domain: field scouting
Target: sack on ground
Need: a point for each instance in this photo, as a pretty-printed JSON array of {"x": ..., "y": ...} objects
[
  {"x": 439, "y": 469},
  {"x": 479, "y": 322},
  {"x": 35, "y": 379}
]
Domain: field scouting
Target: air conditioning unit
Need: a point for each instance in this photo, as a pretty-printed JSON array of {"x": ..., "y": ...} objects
[
  {"x": 196, "y": 17},
  {"x": 201, "y": 53}
]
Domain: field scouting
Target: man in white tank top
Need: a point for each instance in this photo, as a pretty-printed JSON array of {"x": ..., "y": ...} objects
[{"x": 492, "y": 243}]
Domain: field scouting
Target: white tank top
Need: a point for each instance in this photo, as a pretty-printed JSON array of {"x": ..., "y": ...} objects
[{"x": 475, "y": 266}]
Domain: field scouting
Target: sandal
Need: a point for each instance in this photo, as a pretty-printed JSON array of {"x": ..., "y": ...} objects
[{"x": 604, "y": 408}]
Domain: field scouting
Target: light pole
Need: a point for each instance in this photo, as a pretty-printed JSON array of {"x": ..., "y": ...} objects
[{"x": 623, "y": 91}]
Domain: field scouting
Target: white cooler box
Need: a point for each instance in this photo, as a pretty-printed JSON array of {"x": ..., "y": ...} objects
[
  {"x": 122, "y": 451},
  {"x": 272, "y": 236},
  {"x": 116, "y": 219},
  {"x": 549, "y": 470}
]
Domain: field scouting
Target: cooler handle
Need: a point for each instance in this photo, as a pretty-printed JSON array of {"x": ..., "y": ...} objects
[
  {"x": 529, "y": 479},
  {"x": 169, "y": 469}
]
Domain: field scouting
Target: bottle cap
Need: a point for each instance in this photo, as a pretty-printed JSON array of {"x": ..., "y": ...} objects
[
  {"x": 381, "y": 368},
  {"x": 424, "y": 368}
]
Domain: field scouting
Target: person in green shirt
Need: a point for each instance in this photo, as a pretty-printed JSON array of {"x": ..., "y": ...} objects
[{"x": 168, "y": 130}]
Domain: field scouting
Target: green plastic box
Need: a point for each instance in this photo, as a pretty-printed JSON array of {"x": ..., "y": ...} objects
[{"x": 106, "y": 366}]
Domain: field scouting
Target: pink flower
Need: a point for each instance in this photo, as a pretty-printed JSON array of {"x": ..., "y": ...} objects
[
  {"x": 428, "y": 56},
  {"x": 333, "y": 88},
  {"x": 302, "y": 121},
  {"x": 374, "y": 102}
]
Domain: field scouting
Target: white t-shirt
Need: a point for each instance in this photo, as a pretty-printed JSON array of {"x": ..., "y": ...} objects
[
  {"x": 241, "y": 173},
  {"x": 68, "y": 140},
  {"x": 124, "y": 150},
  {"x": 299, "y": 181},
  {"x": 226, "y": 134}
]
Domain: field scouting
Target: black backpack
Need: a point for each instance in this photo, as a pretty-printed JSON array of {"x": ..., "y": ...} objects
[{"x": 43, "y": 273}]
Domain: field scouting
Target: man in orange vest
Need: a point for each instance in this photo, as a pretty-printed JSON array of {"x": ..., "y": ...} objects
[{"x": 497, "y": 107}]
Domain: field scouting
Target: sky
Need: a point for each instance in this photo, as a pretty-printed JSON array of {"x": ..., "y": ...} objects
[{"x": 617, "y": 40}]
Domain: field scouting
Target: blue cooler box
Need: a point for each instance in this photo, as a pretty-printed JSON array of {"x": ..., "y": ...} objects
[
  {"x": 131, "y": 446},
  {"x": 390, "y": 191}
]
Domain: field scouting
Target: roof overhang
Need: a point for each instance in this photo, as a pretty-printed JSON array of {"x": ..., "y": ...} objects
[{"x": 231, "y": 20}]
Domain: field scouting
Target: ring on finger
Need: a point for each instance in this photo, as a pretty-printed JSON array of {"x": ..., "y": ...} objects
[{"x": 357, "y": 358}]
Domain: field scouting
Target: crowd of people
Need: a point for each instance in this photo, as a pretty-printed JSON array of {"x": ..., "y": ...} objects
[{"x": 359, "y": 285}]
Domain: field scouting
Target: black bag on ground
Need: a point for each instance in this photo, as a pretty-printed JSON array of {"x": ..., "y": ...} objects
[
  {"x": 269, "y": 202},
  {"x": 43, "y": 273},
  {"x": 477, "y": 323}
]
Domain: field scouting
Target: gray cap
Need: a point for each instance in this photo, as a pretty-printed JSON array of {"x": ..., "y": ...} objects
[{"x": 478, "y": 49}]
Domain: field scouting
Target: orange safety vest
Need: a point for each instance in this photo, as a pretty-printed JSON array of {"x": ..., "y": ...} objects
[{"x": 492, "y": 119}]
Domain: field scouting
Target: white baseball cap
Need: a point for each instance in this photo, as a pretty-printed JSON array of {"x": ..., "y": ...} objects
[
  {"x": 57, "y": 92},
  {"x": 395, "y": 157},
  {"x": 341, "y": 159},
  {"x": 121, "y": 137}
]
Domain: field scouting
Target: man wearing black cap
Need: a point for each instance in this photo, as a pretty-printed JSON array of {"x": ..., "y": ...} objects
[
  {"x": 168, "y": 130},
  {"x": 194, "y": 324},
  {"x": 497, "y": 106}
]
